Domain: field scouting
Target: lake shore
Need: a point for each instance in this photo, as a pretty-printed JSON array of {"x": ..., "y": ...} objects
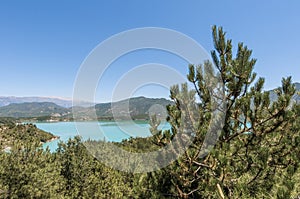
[{"x": 52, "y": 139}]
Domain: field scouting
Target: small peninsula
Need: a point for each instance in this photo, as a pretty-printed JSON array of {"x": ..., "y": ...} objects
[{"x": 12, "y": 132}]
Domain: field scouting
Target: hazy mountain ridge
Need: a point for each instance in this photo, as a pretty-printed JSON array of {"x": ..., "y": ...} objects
[
  {"x": 67, "y": 103},
  {"x": 136, "y": 107}
]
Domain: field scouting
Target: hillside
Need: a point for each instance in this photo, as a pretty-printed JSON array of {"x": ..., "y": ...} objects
[
  {"x": 33, "y": 109},
  {"x": 11, "y": 133},
  {"x": 136, "y": 108},
  {"x": 139, "y": 108}
]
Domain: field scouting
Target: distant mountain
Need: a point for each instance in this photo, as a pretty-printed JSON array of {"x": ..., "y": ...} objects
[
  {"x": 4, "y": 101},
  {"x": 138, "y": 108},
  {"x": 297, "y": 85},
  {"x": 296, "y": 97},
  {"x": 33, "y": 109}
]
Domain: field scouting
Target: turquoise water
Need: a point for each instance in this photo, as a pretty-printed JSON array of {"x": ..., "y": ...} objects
[{"x": 102, "y": 130}]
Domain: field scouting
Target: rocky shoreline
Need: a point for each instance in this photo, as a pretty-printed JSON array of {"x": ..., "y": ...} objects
[{"x": 52, "y": 139}]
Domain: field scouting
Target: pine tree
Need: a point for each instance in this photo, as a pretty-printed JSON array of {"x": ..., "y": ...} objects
[
  {"x": 256, "y": 145},
  {"x": 28, "y": 171}
]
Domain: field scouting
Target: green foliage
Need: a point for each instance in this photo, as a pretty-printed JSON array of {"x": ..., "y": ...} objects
[
  {"x": 23, "y": 133},
  {"x": 257, "y": 154},
  {"x": 28, "y": 171},
  {"x": 7, "y": 121},
  {"x": 85, "y": 176}
]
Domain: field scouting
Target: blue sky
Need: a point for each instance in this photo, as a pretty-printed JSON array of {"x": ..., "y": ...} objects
[{"x": 43, "y": 43}]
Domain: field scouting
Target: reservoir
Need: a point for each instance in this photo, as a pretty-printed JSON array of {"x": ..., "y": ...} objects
[{"x": 97, "y": 130}]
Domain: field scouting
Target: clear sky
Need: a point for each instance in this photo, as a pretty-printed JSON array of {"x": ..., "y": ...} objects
[{"x": 43, "y": 43}]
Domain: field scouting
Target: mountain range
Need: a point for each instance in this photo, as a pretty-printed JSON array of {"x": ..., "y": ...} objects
[
  {"x": 67, "y": 103},
  {"x": 138, "y": 108},
  {"x": 48, "y": 108},
  {"x": 33, "y": 109}
]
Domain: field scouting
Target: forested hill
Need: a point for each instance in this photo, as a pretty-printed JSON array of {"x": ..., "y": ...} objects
[
  {"x": 136, "y": 108},
  {"x": 139, "y": 107},
  {"x": 12, "y": 133},
  {"x": 32, "y": 109}
]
